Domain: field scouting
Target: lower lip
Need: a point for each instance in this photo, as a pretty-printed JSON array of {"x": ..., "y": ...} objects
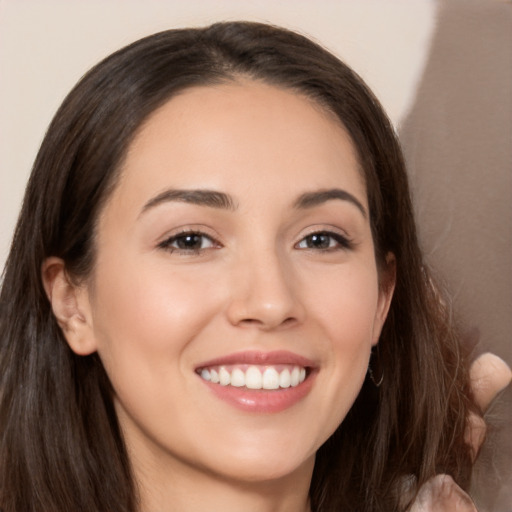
[{"x": 262, "y": 400}]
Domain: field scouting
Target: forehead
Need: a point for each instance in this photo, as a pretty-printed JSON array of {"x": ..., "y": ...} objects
[{"x": 241, "y": 134}]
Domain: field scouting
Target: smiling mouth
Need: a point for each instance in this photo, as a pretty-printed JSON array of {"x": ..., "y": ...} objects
[{"x": 253, "y": 377}]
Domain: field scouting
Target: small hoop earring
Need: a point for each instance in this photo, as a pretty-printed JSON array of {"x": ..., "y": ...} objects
[{"x": 376, "y": 382}]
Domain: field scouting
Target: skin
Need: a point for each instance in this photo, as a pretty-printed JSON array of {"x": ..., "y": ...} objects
[{"x": 257, "y": 281}]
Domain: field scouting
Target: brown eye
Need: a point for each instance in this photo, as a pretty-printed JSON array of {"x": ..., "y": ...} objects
[
  {"x": 324, "y": 240},
  {"x": 319, "y": 241},
  {"x": 188, "y": 242},
  {"x": 192, "y": 241}
]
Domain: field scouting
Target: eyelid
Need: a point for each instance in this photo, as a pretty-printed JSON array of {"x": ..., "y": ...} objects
[
  {"x": 344, "y": 241},
  {"x": 173, "y": 235}
]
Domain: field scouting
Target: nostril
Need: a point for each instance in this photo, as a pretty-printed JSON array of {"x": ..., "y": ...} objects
[
  {"x": 287, "y": 322},
  {"x": 251, "y": 321},
  {"x": 266, "y": 303}
]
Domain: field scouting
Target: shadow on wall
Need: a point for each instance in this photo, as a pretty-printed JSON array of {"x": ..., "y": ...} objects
[{"x": 457, "y": 140}]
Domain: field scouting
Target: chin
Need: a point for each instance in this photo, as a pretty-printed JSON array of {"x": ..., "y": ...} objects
[
  {"x": 264, "y": 459},
  {"x": 267, "y": 470}
]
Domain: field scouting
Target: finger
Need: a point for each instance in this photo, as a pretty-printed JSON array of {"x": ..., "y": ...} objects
[
  {"x": 442, "y": 494},
  {"x": 489, "y": 375},
  {"x": 475, "y": 433}
]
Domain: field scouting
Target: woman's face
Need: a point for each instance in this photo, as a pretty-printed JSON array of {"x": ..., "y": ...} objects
[{"x": 235, "y": 298}]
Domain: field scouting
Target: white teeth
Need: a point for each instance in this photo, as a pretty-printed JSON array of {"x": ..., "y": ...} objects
[
  {"x": 270, "y": 378},
  {"x": 237, "y": 378},
  {"x": 294, "y": 377},
  {"x": 255, "y": 377},
  {"x": 224, "y": 376},
  {"x": 285, "y": 379}
]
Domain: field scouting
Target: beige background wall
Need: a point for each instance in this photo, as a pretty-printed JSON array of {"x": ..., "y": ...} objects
[
  {"x": 46, "y": 45},
  {"x": 443, "y": 70}
]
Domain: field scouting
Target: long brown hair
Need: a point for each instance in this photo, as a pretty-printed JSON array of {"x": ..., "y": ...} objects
[{"x": 60, "y": 444}]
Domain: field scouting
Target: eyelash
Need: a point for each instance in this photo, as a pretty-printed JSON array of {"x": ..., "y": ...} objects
[
  {"x": 340, "y": 242},
  {"x": 167, "y": 244}
]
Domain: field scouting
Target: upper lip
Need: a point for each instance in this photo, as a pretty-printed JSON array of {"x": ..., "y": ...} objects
[{"x": 260, "y": 358}]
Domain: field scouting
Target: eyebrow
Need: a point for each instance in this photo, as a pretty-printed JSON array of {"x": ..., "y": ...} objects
[
  {"x": 210, "y": 198},
  {"x": 220, "y": 200},
  {"x": 312, "y": 199}
]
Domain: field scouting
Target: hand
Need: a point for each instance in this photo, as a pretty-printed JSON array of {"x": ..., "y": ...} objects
[{"x": 489, "y": 375}]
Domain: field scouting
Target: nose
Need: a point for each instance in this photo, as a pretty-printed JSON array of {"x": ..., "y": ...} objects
[{"x": 264, "y": 294}]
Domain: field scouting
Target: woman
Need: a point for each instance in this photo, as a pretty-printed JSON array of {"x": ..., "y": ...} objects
[{"x": 215, "y": 286}]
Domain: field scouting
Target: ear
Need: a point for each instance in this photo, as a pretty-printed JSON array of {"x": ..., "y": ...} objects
[
  {"x": 387, "y": 281},
  {"x": 70, "y": 305}
]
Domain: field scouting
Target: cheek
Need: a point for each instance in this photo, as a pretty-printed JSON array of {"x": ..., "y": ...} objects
[
  {"x": 147, "y": 313},
  {"x": 344, "y": 308},
  {"x": 345, "y": 304},
  {"x": 144, "y": 323}
]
